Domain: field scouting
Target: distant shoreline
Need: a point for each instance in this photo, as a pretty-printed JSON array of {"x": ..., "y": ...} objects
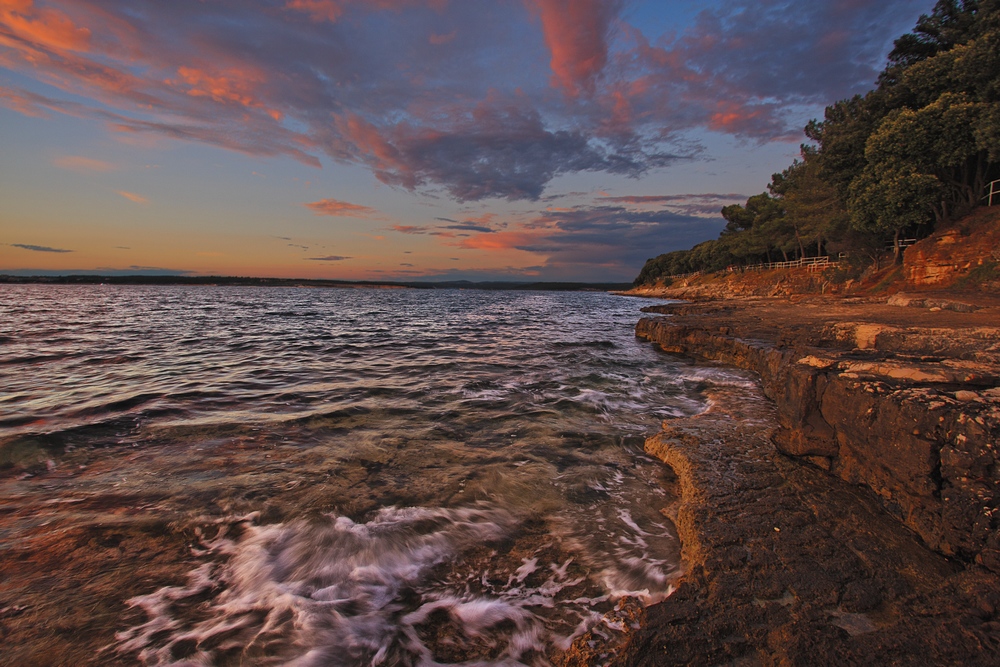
[{"x": 237, "y": 281}]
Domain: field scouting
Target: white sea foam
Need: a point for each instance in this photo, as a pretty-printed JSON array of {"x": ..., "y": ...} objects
[
  {"x": 334, "y": 592},
  {"x": 322, "y": 593}
]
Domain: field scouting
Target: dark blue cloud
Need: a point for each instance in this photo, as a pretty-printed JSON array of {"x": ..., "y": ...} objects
[{"x": 38, "y": 248}]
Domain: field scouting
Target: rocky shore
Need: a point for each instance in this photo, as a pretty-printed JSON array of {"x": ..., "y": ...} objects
[{"x": 860, "y": 525}]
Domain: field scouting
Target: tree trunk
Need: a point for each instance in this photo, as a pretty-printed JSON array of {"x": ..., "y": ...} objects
[{"x": 896, "y": 250}]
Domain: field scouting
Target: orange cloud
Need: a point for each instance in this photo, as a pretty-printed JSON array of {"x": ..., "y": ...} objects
[
  {"x": 234, "y": 86},
  {"x": 500, "y": 241},
  {"x": 44, "y": 27},
  {"x": 409, "y": 229},
  {"x": 331, "y": 10},
  {"x": 669, "y": 199},
  {"x": 131, "y": 196},
  {"x": 620, "y": 117},
  {"x": 731, "y": 117},
  {"x": 342, "y": 209},
  {"x": 576, "y": 34},
  {"x": 80, "y": 163}
]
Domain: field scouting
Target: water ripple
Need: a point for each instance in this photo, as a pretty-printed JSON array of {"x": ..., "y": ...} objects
[{"x": 486, "y": 447}]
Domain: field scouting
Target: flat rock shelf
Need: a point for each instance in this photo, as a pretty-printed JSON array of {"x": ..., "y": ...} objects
[
  {"x": 786, "y": 564},
  {"x": 841, "y": 511}
]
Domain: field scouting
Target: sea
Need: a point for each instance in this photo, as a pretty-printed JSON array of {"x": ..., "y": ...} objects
[{"x": 363, "y": 476}]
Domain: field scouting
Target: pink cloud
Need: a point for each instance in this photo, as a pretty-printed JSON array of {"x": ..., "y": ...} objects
[
  {"x": 80, "y": 163},
  {"x": 22, "y": 104},
  {"x": 409, "y": 229},
  {"x": 576, "y": 33},
  {"x": 342, "y": 209},
  {"x": 133, "y": 197}
]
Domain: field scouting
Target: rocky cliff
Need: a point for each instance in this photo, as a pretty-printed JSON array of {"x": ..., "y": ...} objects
[
  {"x": 787, "y": 565},
  {"x": 946, "y": 257},
  {"x": 913, "y": 412},
  {"x": 854, "y": 519}
]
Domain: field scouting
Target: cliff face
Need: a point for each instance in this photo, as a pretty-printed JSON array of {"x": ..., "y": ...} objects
[
  {"x": 911, "y": 412},
  {"x": 946, "y": 256},
  {"x": 787, "y": 565}
]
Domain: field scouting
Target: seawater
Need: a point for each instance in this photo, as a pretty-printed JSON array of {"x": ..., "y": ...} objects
[{"x": 398, "y": 477}]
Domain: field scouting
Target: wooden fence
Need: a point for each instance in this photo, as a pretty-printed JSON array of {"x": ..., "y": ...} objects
[{"x": 810, "y": 263}]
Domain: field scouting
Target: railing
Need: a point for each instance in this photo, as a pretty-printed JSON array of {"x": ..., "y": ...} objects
[
  {"x": 811, "y": 263},
  {"x": 684, "y": 275},
  {"x": 993, "y": 192},
  {"x": 903, "y": 243}
]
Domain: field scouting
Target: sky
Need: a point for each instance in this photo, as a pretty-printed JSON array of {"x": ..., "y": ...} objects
[{"x": 526, "y": 140}]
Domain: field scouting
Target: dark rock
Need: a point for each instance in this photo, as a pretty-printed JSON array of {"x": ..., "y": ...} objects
[{"x": 805, "y": 570}]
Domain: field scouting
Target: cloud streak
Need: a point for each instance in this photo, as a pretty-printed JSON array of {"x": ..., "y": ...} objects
[
  {"x": 38, "y": 248},
  {"x": 83, "y": 164},
  {"x": 132, "y": 197}
]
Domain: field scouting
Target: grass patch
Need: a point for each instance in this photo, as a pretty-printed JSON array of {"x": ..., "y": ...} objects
[
  {"x": 852, "y": 267},
  {"x": 987, "y": 272},
  {"x": 888, "y": 279}
]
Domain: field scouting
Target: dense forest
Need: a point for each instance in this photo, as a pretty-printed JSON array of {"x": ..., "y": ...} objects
[{"x": 917, "y": 151}]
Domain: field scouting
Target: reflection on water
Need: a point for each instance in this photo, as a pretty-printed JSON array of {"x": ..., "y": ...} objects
[{"x": 376, "y": 476}]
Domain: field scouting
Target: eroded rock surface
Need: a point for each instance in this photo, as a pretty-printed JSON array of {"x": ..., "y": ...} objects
[
  {"x": 952, "y": 252},
  {"x": 907, "y": 407},
  {"x": 788, "y": 565}
]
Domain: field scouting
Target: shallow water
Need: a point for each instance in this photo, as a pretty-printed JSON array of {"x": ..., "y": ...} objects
[{"x": 374, "y": 476}]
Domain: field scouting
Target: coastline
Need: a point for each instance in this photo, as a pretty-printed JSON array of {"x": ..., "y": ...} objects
[{"x": 855, "y": 525}]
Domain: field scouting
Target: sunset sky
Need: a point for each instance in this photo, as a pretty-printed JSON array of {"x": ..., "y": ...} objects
[{"x": 406, "y": 139}]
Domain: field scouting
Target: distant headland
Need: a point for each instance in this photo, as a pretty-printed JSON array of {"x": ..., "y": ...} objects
[{"x": 240, "y": 281}]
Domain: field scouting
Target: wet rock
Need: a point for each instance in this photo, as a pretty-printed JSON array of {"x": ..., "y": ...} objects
[{"x": 806, "y": 569}]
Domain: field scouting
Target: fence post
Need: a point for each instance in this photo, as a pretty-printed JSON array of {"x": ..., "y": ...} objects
[{"x": 993, "y": 191}]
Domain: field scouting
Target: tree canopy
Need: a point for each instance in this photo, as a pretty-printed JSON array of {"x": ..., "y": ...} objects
[{"x": 916, "y": 151}]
